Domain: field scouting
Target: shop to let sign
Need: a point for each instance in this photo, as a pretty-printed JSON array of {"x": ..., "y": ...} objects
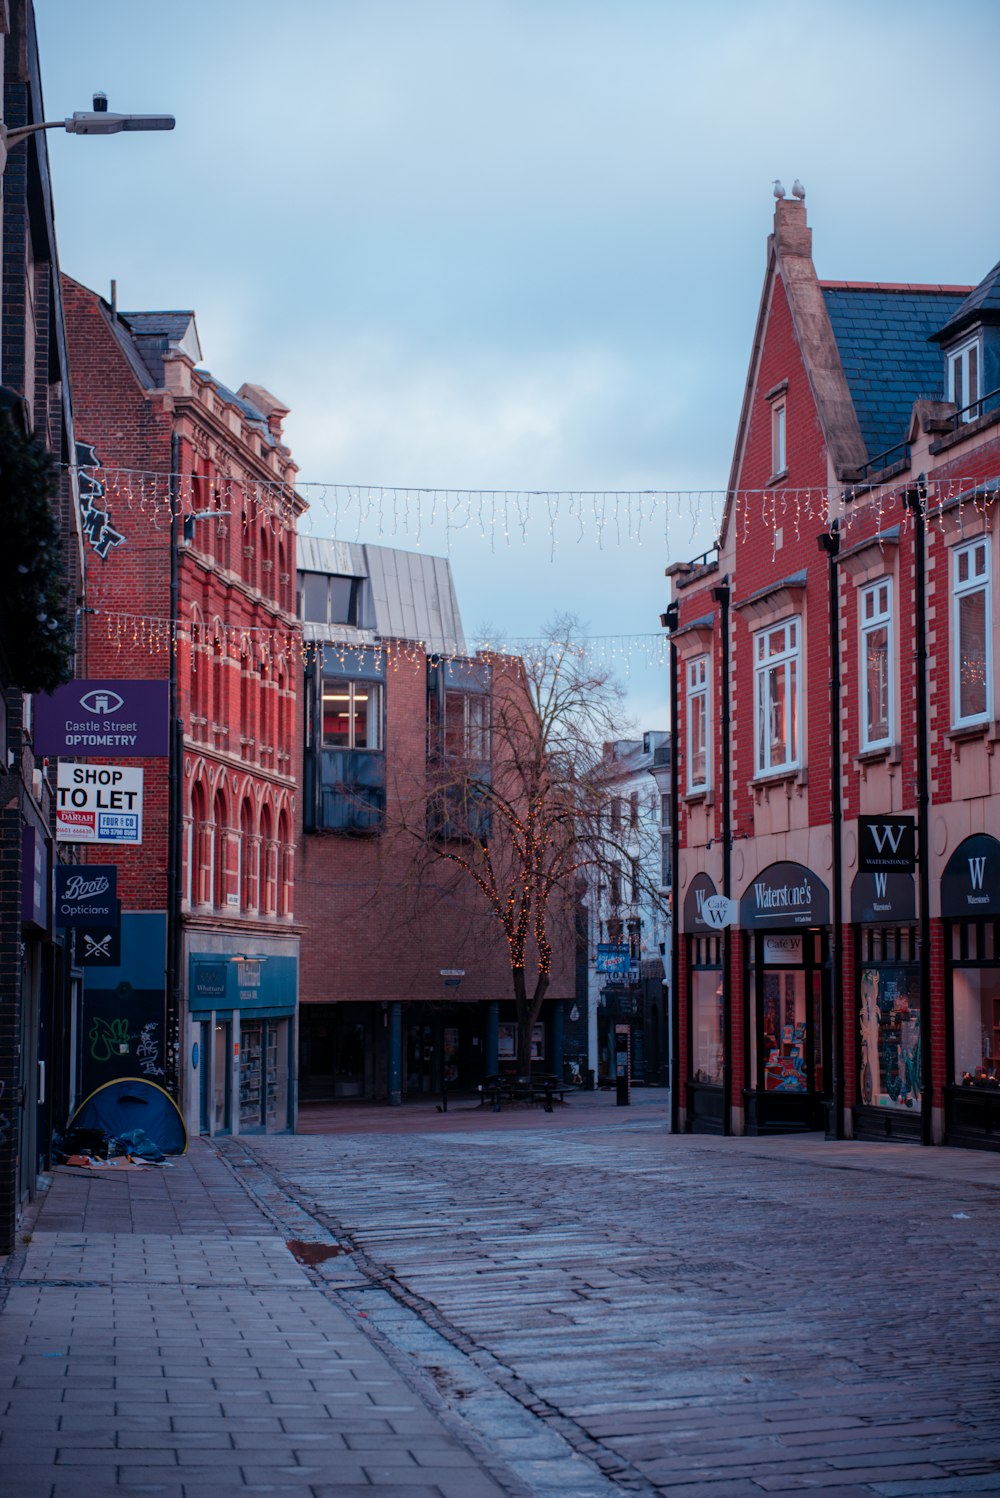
[{"x": 98, "y": 804}]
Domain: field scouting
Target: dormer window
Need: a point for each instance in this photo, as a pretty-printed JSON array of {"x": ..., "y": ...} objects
[{"x": 964, "y": 365}]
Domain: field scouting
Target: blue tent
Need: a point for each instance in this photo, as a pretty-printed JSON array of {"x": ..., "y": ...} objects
[{"x": 119, "y": 1108}]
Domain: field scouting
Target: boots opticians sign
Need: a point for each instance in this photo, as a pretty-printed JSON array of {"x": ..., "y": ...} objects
[
  {"x": 87, "y": 895},
  {"x": 887, "y": 845}
]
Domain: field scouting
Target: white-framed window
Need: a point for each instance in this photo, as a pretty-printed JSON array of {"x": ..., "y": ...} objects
[
  {"x": 779, "y": 452},
  {"x": 352, "y": 714},
  {"x": 777, "y": 674},
  {"x": 875, "y": 605},
  {"x": 697, "y": 724},
  {"x": 972, "y": 696},
  {"x": 964, "y": 364}
]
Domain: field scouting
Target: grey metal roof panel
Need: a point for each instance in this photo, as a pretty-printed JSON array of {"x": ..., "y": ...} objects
[
  {"x": 888, "y": 358},
  {"x": 411, "y": 595}
]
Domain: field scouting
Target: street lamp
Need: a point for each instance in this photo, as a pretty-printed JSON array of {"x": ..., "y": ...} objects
[{"x": 85, "y": 122}]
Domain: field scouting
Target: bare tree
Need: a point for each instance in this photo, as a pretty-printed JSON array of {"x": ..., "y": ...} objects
[{"x": 522, "y": 805}]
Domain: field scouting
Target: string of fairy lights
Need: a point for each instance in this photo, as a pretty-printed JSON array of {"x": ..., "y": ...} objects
[{"x": 502, "y": 517}]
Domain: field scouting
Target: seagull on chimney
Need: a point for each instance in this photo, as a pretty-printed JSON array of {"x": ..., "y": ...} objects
[
  {"x": 798, "y": 191},
  {"x": 779, "y": 191}
]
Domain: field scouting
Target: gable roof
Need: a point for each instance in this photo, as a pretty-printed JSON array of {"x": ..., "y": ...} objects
[
  {"x": 884, "y": 336},
  {"x": 981, "y": 305}
]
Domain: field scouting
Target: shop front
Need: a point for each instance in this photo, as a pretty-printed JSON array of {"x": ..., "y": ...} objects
[
  {"x": 705, "y": 1026},
  {"x": 888, "y": 1039},
  {"x": 784, "y": 915},
  {"x": 239, "y": 1067},
  {"x": 970, "y": 910}
]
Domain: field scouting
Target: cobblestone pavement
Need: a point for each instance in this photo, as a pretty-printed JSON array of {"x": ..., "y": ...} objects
[
  {"x": 160, "y": 1335},
  {"x": 612, "y": 1309}
]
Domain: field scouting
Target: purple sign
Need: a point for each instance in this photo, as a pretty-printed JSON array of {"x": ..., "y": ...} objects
[
  {"x": 104, "y": 719},
  {"x": 86, "y": 895},
  {"x": 34, "y": 878}
]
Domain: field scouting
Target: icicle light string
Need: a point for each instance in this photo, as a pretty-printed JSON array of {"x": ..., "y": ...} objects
[
  {"x": 158, "y": 634},
  {"x": 507, "y": 513}
]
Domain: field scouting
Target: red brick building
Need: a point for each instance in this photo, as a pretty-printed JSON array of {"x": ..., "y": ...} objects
[
  {"x": 835, "y": 689},
  {"x": 406, "y": 980},
  {"x": 192, "y": 576}
]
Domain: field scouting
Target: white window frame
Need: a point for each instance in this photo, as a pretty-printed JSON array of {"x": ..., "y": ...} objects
[
  {"x": 965, "y": 377},
  {"x": 978, "y": 579},
  {"x": 698, "y": 677},
  {"x": 779, "y": 437},
  {"x": 875, "y": 614},
  {"x": 783, "y": 662}
]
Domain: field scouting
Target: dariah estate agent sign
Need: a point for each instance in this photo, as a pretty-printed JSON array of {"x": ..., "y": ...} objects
[
  {"x": 107, "y": 719},
  {"x": 86, "y": 895},
  {"x": 98, "y": 804}
]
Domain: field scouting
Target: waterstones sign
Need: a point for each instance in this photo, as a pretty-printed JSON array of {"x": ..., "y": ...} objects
[
  {"x": 887, "y": 845},
  {"x": 785, "y": 894},
  {"x": 970, "y": 884}
]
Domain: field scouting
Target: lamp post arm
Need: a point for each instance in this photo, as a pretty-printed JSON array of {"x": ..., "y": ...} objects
[{"x": 85, "y": 122}]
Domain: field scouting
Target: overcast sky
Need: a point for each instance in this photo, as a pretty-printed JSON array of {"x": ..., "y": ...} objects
[{"x": 516, "y": 244}]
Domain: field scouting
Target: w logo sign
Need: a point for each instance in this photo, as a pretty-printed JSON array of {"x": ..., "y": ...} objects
[
  {"x": 977, "y": 869},
  {"x": 881, "y": 885},
  {"x": 886, "y": 844}
]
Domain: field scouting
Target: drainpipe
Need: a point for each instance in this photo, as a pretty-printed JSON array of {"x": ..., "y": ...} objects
[
  {"x": 670, "y": 621},
  {"x": 830, "y": 543},
  {"x": 172, "y": 1047},
  {"x": 721, "y": 596},
  {"x": 915, "y": 499}
]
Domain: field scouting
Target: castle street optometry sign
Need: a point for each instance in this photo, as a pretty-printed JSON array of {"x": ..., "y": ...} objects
[{"x": 105, "y": 719}]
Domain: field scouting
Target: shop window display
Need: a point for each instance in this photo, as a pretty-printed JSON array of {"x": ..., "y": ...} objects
[
  {"x": 889, "y": 1065},
  {"x": 976, "y": 1001},
  {"x": 706, "y": 1011}
]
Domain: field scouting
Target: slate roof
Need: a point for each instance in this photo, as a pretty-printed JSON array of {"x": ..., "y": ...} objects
[
  {"x": 981, "y": 305},
  {"x": 884, "y": 338},
  {"x": 154, "y": 332}
]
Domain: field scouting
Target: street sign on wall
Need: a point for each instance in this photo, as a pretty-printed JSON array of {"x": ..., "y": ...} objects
[
  {"x": 98, "y": 804},
  {"x": 86, "y": 895},
  {"x": 104, "y": 718}
]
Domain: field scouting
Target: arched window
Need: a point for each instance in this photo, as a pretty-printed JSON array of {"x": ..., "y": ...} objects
[
  {"x": 248, "y": 858},
  {"x": 266, "y": 905},
  {"x": 285, "y": 870},
  {"x": 219, "y": 842},
  {"x": 199, "y": 849},
  {"x": 218, "y": 708}
]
